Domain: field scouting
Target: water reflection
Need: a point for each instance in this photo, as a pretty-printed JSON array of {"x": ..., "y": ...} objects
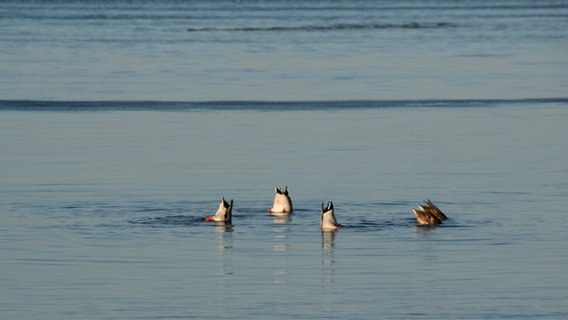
[
  {"x": 280, "y": 247},
  {"x": 224, "y": 247},
  {"x": 327, "y": 259},
  {"x": 424, "y": 230},
  {"x": 426, "y": 253},
  {"x": 327, "y": 270},
  {"x": 282, "y": 219}
]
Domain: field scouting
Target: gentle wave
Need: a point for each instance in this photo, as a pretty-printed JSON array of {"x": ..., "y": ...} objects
[
  {"x": 332, "y": 27},
  {"x": 38, "y": 105}
]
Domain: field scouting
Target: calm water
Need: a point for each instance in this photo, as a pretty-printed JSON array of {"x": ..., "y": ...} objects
[
  {"x": 100, "y": 211},
  {"x": 101, "y": 201},
  {"x": 283, "y": 50}
]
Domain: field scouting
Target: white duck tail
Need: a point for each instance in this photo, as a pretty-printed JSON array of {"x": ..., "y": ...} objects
[
  {"x": 224, "y": 212},
  {"x": 282, "y": 201},
  {"x": 327, "y": 218}
]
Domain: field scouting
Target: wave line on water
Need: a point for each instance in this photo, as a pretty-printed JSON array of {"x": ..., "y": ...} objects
[
  {"x": 76, "y": 106},
  {"x": 331, "y": 27}
]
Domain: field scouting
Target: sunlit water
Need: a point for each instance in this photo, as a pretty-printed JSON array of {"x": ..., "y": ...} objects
[{"x": 100, "y": 211}]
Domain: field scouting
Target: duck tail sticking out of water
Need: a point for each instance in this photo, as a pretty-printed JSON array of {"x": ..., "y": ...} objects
[
  {"x": 436, "y": 211},
  {"x": 428, "y": 213},
  {"x": 224, "y": 212},
  {"x": 328, "y": 222},
  {"x": 282, "y": 201}
]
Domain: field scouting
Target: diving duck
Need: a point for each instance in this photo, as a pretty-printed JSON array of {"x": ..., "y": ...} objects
[
  {"x": 429, "y": 214},
  {"x": 224, "y": 212},
  {"x": 282, "y": 202},
  {"x": 327, "y": 218}
]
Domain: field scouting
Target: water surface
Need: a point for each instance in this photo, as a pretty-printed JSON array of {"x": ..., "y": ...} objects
[
  {"x": 101, "y": 211},
  {"x": 282, "y": 50}
]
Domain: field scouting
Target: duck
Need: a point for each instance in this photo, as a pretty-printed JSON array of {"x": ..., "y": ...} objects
[
  {"x": 327, "y": 218},
  {"x": 224, "y": 212},
  {"x": 429, "y": 214},
  {"x": 282, "y": 202}
]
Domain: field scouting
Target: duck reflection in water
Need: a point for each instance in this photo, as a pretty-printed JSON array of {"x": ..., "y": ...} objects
[
  {"x": 224, "y": 248},
  {"x": 327, "y": 257},
  {"x": 280, "y": 247},
  {"x": 282, "y": 219}
]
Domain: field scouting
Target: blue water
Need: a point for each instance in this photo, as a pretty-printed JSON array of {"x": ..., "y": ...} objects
[
  {"x": 283, "y": 50},
  {"x": 122, "y": 123},
  {"x": 101, "y": 211}
]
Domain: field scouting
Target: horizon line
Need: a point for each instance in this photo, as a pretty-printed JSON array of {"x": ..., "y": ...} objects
[{"x": 261, "y": 101}]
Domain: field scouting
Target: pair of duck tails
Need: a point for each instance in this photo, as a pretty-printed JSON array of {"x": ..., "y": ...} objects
[
  {"x": 428, "y": 214},
  {"x": 282, "y": 206}
]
